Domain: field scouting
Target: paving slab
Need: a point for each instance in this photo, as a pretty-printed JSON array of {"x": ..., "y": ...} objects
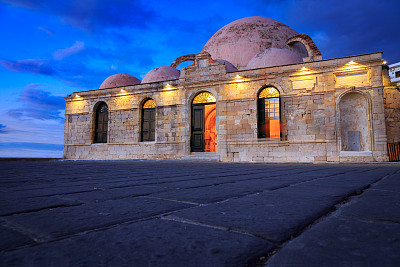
[
  {"x": 111, "y": 194},
  {"x": 11, "y": 239},
  {"x": 148, "y": 243},
  {"x": 391, "y": 183},
  {"x": 270, "y": 215},
  {"x": 163, "y": 213},
  {"x": 342, "y": 242},
  {"x": 9, "y": 206},
  {"x": 59, "y": 222},
  {"x": 374, "y": 205},
  {"x": 207, "y": 194}
]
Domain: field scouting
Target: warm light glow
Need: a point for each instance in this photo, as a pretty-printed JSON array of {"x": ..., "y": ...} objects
[
  {"x": 122, "y": 92},
  {"x": 149, "y": 104},
  {"x": 238, "y": 78},
  {"x": 304, "y": 71},
  {"x": 204, "y": 97},
  {"x": 384, "y": 62},
  {"x": 352, "y": 66},
  {"x": 77, "y": 97},
  {"x": 168, "y": 87},
  {"x": 210, "y": 130},
  {"x": 77, "y": 105},
  {"x": 268, "y": 92}
]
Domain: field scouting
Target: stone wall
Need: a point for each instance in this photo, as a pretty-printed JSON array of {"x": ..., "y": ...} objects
[
  {"x": 392, "y": 113},
  {"x": 311, "y": 121}
]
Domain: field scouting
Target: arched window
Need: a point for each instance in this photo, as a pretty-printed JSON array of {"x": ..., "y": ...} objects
[
  {"x": 203, "y": 98},
  {"x": 148, "y": 120},
  {"x": 101, "y": 123},
  {"x": 268, "y": 114}
]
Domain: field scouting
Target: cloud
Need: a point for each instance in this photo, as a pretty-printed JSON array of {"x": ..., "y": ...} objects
[
  {"x": 30, "y": 150},
  {"x": 77, "y": 47},
  {"x": 93, "y": 15},
  {"x": 3, "y": 129},
  {"x": 86, "y": 67},
  {"x": 27, "y": 145},
  {"x": 37, "y": 66},
  {"x": 46, "y": 31},
  {"x": 38, "y": 104},
  {"x": 350, "y": 28}
]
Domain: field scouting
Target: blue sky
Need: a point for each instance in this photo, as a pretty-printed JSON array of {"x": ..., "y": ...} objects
[{"x": 51, "y": 48}]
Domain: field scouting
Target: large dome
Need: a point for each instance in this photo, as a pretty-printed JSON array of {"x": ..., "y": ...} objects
[
  {"x": 242, "y": 39},
  {"x": 273, "y": 57},
  {"x": 162, "y": 73},
  {"x": 118, "y": 80}
]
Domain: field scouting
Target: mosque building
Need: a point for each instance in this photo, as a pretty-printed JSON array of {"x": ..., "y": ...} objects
[{"x": 257, "y": 92}]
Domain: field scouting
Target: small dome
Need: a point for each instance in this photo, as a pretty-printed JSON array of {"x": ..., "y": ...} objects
[
  {"x": 242, "y": 39},
  {"x": 162, "y": 73},
  {"x": 118, "y": 80},
  {"x": 229, "y": 66},
  {"x": 273, "y": 57}
]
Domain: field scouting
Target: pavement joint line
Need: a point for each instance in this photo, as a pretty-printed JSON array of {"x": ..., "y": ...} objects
[
  {"x": 174, "y": 200},
  {"x": 20, "y": 229},
  {"x": 55, "y": 239},
  {"x": 39, "y": 241},
  {"x": 385, "y": 190},
  {"x": 334, "y": 212},
  {"x": 239, "y": 196},
  {"x": 232, "y": 182},
  {"x": 40, "y": 209},
  {"x": 218, "y": 227},
  {"x": 360, "y": 219}
]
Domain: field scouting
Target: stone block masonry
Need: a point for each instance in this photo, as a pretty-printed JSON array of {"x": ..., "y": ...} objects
[{"x": 315, "y": 122}]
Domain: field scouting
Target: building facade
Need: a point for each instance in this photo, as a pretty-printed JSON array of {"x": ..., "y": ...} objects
[
  {"x": 257, "y": 92},
  {"x": 394, "y": 73}
]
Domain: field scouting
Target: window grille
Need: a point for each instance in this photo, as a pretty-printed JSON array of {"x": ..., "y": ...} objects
[
  {"x": 101, "y": 123},
  {"x": 148, "y": 121},
  {"x": 269, "y": 114}
]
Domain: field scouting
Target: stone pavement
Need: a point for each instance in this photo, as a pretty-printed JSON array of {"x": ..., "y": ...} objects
[{"x": 176, "y": 213}]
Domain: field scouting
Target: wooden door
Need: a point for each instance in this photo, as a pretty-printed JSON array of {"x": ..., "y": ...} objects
[{"x": 197, "y": 138}]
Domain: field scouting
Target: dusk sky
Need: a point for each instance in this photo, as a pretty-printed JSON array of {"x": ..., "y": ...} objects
[{"x": 51, "y": 48}]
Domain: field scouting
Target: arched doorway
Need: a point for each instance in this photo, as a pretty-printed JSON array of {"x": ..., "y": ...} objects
[{"x": 204, "y": 131}]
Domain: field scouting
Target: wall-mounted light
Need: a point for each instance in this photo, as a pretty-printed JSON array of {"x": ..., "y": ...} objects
[
  {"x": 77, "y": 97},
  {"x": 239, "y": 78},
  {"x": 303, "y": 71},
  {"x": 122, "y": 92},
  {"x": 169, "y": 87},
  {"x": 352, "y": 65}
]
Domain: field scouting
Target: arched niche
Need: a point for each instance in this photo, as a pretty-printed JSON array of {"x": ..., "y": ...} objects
[{"x": 355, "y": 132}]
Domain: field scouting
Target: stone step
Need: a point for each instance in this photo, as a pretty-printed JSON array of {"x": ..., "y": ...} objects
[{"x": 202, "y": 156}]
